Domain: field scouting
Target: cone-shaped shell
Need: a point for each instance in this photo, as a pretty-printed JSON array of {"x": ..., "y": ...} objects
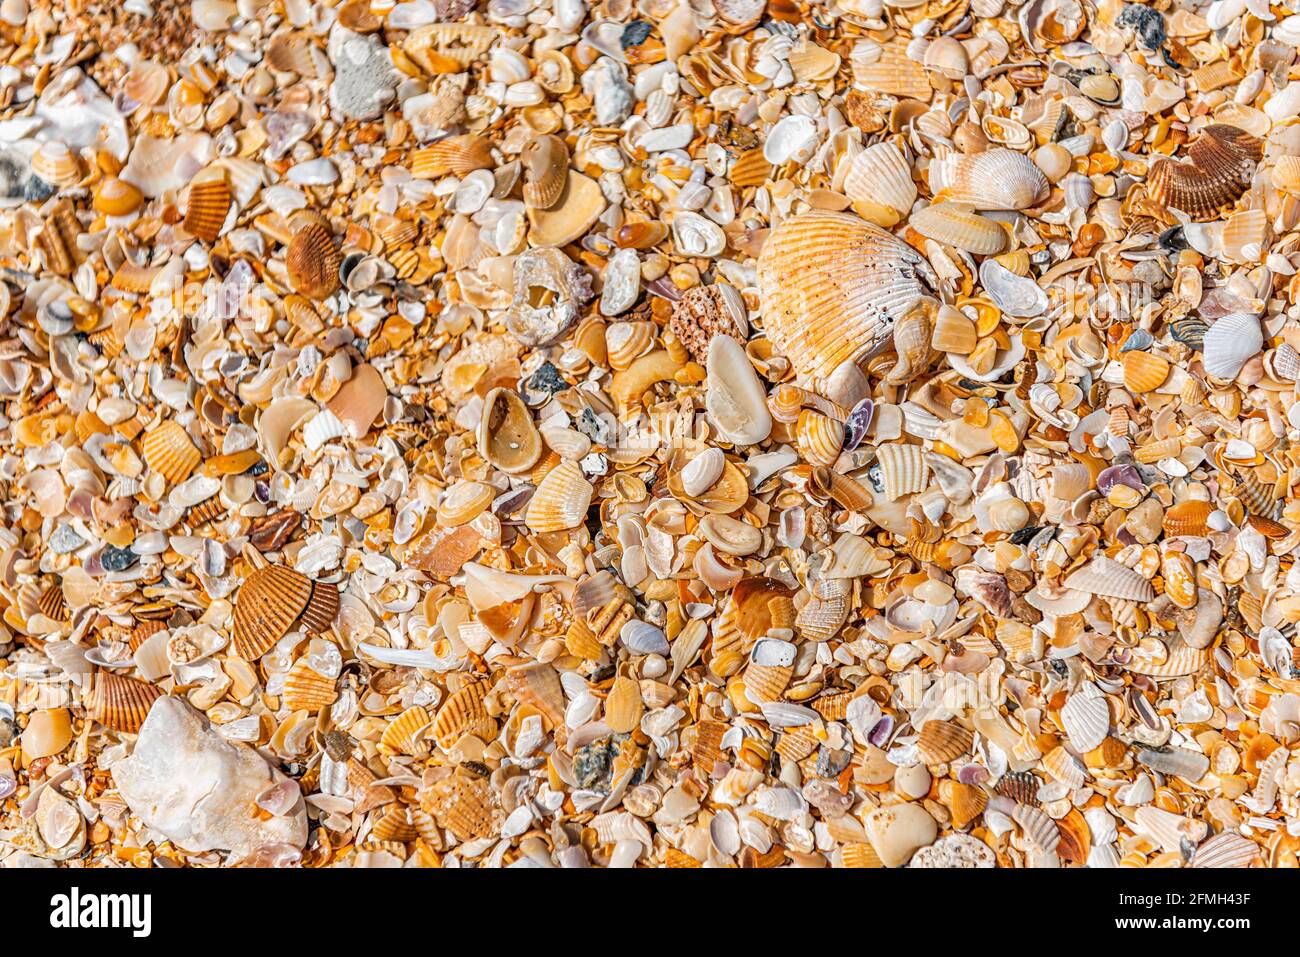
[
  {"x": 832, "y": 286},
  {"x": 958, "y": 225},
  {"x": 266, "y": 606},
  {"x": 942, "y": 741},
  {"x": 1107, "y": 577},
  {"x": 545, "y": 160},
  {"x": 209, "y": 204},
  {"x": 122, "y": 703},
  {"x": 167, "y": 450},
  {"x": 879, "y": 183},
  {"x": 994, "y": 179},
  {"x": 507, "y": 437},
  {"x": 306, "y": 689},
  {"x": 405, "y": 734},
  {"x": 561, "y": 500},
  {"x": 1217, "y": 170},
  {"x": 903, "y": 469},
  {"x": 323, "y": 607},
  {"x": 313, "y": 261}
]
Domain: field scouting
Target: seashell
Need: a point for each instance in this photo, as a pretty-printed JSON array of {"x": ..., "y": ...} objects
[
  {"x": 946, "y": 56},
  {"x": 903, "y": 469},
  {"x": 579, "y": 205},
  {"x": 313, "y": 262},
  {"x": 1189, "y": 518},
  {"x": 958, "y": 225},
  {"x": 994, "y": 179},
  {"x": 561, "y": 500},
  {"x": 538, "y": 687},
  {"x": 554, "y": 72},
  {"x": 457, "y": 156},
  {"x": 879, "y": 184},
  {"x": 812, "y": 63},
  {"x": 55, "y": 164},
  {"x": 726, "y": 495},
  {"x": 1107, "y": 577},
  {"x": 847, "y": 492},
  {"x": 735, "y": 400},
  {"x": 1226, "y": 849},
  {"x": 167, "y": 450},
  {"x": 121, "y": 703},
  {"x": 707, "y": 311},
  {"x": 306, "y": 689},
  {"x": 1064, "y": 767},
  {"x": 360, "y": 400},
  {"x": 463, "y": 502},
  {"x": 507, "y": 437},
  {"x": 1218, "y": 168},
  {"x": 266, "y": 606},
  {"x": 696, "y": 235},
  {"x": 1169, "y": 830},
  {"x": 209, "y": 203},
  {"x": 405, "y": 733},
  {"x": 623, "y": 706},
  {"x": 1144, "y": 371},
  {"x": 1179, "y": 574},
  {"x": 117, "y": 197},
  {"x": 464, "y": 803},
  {"x": 893, "y": 72},
  {"x": 703, "y": 471},
  {"x": 750, "y": 168},
  {"x": 792, "y": 139},
  {"x": 539, "y": 271},
  {"x": 1085, "y": 718},
  {"x": 1229, "y": 343},
  {"x": 1039, "y": 830},
  {"x": 545, "y": 161},
  {"x": 739, "y": 15},
  {"x": 819, "y": 437},
  {"x": 322, "y": 608},
  {"x": 625, "y": 342},
  {"x": 463, "y": 713},
  {"x": 1245, "y": 235},
  {"x": 1286, "y": 174},
  {"x": 941, "y": 742},
  {"x": 1014, "y": 295},
  {"x": 832, "y": 286},
  {"x": 954, "y": 331}
]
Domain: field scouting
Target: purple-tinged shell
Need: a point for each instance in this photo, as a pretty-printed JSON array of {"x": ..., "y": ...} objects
[
  {"x": 1119, "y": 475},
  {"x": 856, "y": 425},
  {"x": 882, "y": 731},
  {"x": 973, "y": 774}
]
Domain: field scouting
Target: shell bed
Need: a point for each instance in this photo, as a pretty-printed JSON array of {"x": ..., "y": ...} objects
[{"x": 649, "y": 433}]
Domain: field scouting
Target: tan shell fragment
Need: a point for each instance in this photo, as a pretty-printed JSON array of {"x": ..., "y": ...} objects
[
  {"x": 958, "y": 225},
  {"x": 266, "y": 607},
  {"x": 507, "y": 437},
  {"x": 561, "y": 500},
  {"x": 313, "y": 262},
  {"x": 994, "y": 179},
  {"x": 1086, "y": 720},
  {"x": 943, "y": 741},
  {"x": 306, "y": 689},
  {"x": 578, "y": 206},
  {"x": 546, "y": 167},
  {"x": 122, "y": 703},
  {"x": 167, "y": 450},
  {"x": 903, "y": 469},
  {"x": 894, "y": 72},
  {"x": 623, "y": 706},
  {"x": 461, "y": 714},
  {"x": 1107, "y": 577}
]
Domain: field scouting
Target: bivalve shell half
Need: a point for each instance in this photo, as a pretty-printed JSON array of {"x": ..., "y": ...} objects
[
  {"x": 1085, "y": 718},
  {"x": 955, "y": 224},
  {"x": 1107, "y": 577},
  {"x": 266, "y": 606},
  {"x": 1229, "y": 343},
  {"x": 903, "y": 469},
  {"x": 122, "y": 703},
  {"x": 994, "y": 179},
  {"x": 545, "y": 161},
  {"x": 832, "y": 287},
  {"x": 313, "y": 261},
  {"x": 561, "y": 500},
  {"x": 209, "y": 205},
  {"x": 893, "y": 72},
  {"x": 879, "y": 184},
  {"x": 306, "y": 689},
  {"x": 943, "y": 741},
  {"x": 167, "y": 450},
  {"x": 507, "y": 436},
  {"x": 1144, "y": 371},
  {"x": 1217, "y": 170}
]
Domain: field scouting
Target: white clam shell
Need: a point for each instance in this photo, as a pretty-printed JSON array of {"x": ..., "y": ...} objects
[
  {"x": 735, "y": 400},
  {"x": 1229, "y": 343}
]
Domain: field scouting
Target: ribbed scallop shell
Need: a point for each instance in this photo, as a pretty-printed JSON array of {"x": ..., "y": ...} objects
[
  {"x": 1188, "y": 518},
  {"x": 750, "y": 169},
  {"x": 955, "y": 224},
  {"x": 394, "y": 824},
  {"x": 820, "y": 437},
  {"x": 464, "y": 805},
  {"x": 122, "y": 703},
  {"x": 561, "y": 500},
  {"x": 546, "y": 169},
  {"x": 832, "y": 286},
  {"x": 1085, "y": 718},
  {"x": 209, "y": 204},
  {"x": 462, "y": 713},
  {"x": 323, "y": 607},
  {"x": 1107, "y": 577},
  {"x": 306, "y": 689},
  {"x": 1064, "y": 767},
  {"x": 893, "y": 72},
  {"x": 266, "y": 607},
  {"x": 1217, "y": 170},
  {"x": 766, "y": 683},
  {"x": 880, "y": 176},
  {"x": 823, "y": 617},
  {"x": 405, "y": 734},
  {"x": 994, "y": 179},
  {"x": 1226, "y": 849},
  {"x": 313, "y": 262},
  {"x": 623, "y": 706},
  {"x": 966, "y": 802},
  {"x": 942, "y": 741},
  {"x": 457, "y": 155},
  {"x": 167, "y": 450},
  {"x": 1229, "y": 343},
  {"x": 903, "y": 469}
]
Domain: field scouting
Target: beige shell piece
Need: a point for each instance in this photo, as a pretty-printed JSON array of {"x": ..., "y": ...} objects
[
  {"x": 306, "y": 689},
  {"x": 545, "y": 161},
  {"x": 959, "y": 225},
  {"x": 879, "y": 184},
  {"x": 507, "y": 435},
  {"x": 953, "y": 331},
  {"x": 1107, "y": 577},
  {"x": 405, "y": 734},
  {"x": 903, "y": 469},
  {"x": 1085, "y": 717},
  {"x": 623, "y": 706},
  {"x": 579, "y": 204},
  {"x": 832, "y": 287},
  {"x": 893, "y": 72},
  {"x": 994, "y": 179},
  {"x": 561, "y": 500}
]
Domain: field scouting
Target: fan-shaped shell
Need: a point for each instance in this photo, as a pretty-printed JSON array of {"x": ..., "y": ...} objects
[
  {"x": 994, "y": 179},
  {"x": 1226, "y": 849},
  {"x": 739, "y": 15},
  {"x": 545, "y": 161},
  {"x": 456, "y": 155},
  {"x": 832, "y": 286},
  {"x": 322, "y": 608},
  {"x": 1107, "y": 577},
  {"x": 55, "y": 164},
  {"x": 1189, "y": 518},
  {"x": 1144, "y": 371},
  {"x": 903, "y": 469},
  {"x": 1217, "y": 170},
  {"x": 507, "y": 437},
  {"x": 306, "y": 689},
  {"x": 313, "y": 261},
  {"x": 942, "y": 741},
  {"x": 955, "y": 224},
  {"x": 122, "y": 703},
  {"x": 266, "y": 606},
  {"x": 879, "y": 183},
  {"x": 167, "y": 450},
  {"x": 464, "y": 805},
  {"x": 538, "y": 686},
  {"x": 462, "y": 713},
  {"x": 209, "y": 204},
  {"x": 1229, "y": 343},
  {"x": 580, "y": 204},
  {"x": 1086, "y": 720},
  {"x": 893, "y": 72},
  {"x": 623, "y": 706},
  {"x": 561, "y": 500},
  {"x": 405, "y": 733},
  {"x": 1064, "y": 767}
]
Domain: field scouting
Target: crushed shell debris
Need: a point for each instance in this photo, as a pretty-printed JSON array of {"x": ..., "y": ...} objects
[{"x": 650, "y": 433}]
